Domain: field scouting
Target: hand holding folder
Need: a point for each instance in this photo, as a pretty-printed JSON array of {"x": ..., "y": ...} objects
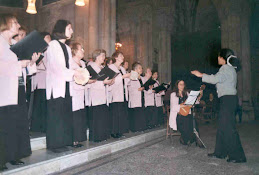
[
  {"x": 106, "y": 72},
  {"x": 32, "y": 43},
  {"x": 148, "y": 83}
]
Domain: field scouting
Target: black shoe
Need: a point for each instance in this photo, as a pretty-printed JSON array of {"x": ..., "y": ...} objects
[
  {"x": 17, "y": 162},
  {"x": 115, "y": 136},
  {"x": 3, "y": 167},
  {"x": 213, "y": 155},
  {"x": 77, "y": 145},
  {"x": 199, "y": 143},
  {"x": 236, "y": 161}
]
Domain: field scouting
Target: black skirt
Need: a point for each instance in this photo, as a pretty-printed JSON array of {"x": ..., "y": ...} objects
[
  {"x": 185, "y": 126},
  {"x": 14, "y": 130},
  {"x": 39, "y": 111},
  {"x": 59, "y": 122},
  {"x": 160, "y": 115},
  {"x": 99, "y": 123},
  {"x": 151, "y": 116},
  {"x": 79, "y": 125},
  {"x": 119, "y": 117},
  {"x": 137, "y": 119}
]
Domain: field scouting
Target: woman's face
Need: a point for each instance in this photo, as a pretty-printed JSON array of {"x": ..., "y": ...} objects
[
  {"x": 120, "y": 58},
  {"x": 221, "y": 60},
  {"x": 181, "y": 85},
  {"x": 47, "y": 38},
  {"x": 126, "y": 65},
  {"x": 80, "y": 52},
  {"x": 101, "y": 58},
  {"x": 14, "y": 26},
  {"x": 155, "y": 75},
  {"x": 69, "y": 31},
  {"x": 139, "y": 69}
]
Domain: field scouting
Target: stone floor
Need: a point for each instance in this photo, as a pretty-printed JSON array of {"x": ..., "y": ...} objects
[{"x": 163, "y": 157}]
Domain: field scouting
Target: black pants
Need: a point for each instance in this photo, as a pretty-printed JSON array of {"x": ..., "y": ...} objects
[
  {"x": 14, "y": 130},
  {"x": 227, "y": 140},
  {"x": 185, "y": 126}
]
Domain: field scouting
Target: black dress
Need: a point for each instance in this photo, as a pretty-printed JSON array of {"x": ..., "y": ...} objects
[
  {"x": 137, "y": 115},
  {"x": 14, "y": 129},
  {"x": 119, "y": 114},
  {"x": 39, "y": 111},
  {"x": 185, "y": 126},
  {"x": 79, "y": 125},
  {"x": 99, "y": 123},
  {"x": 59, "y": 132}
]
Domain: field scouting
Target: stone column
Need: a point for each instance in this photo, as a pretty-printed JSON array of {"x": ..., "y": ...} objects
[
  {"x": 235, "y": 35},
  {"x": 164, "y": 63},
  {"x": 143, "y": 44},
  {"x": 81, "y": 26},
  {"x": 107, "y": 27},
  {"x": 113, "y": 26},
  {"x": 93, "y": 26}
]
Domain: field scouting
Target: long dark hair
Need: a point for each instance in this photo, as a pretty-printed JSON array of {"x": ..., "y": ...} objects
[
  {"x": 233, "y": 60},
  {"x": 176, "y": 90}
]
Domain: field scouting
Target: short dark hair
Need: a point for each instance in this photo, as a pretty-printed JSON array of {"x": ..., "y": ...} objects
[
  {"x": 43, "y": 34},
  {"x": 98, "y": 52},
  {"x": 135, "y": 64},
  {"x": 225, "y": 53},
  {"x": 60, "y": 29},
  {"x": 23, "y": 28},
  {"x": 116, "y": 54}
]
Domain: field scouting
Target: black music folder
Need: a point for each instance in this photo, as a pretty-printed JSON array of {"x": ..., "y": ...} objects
[
  {"x": 161, "y": 87},
  {"x": 106, "y": 72},
  {"x": 94, "y": 75},
  {"x": 148, "y": 83},
  {"x": 32, "y": 43}
]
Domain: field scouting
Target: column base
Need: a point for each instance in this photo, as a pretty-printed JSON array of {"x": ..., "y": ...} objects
[{"x": 247, "y": 112}]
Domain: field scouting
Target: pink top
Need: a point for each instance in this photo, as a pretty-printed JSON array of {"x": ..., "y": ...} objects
[
  {"x": 97, "y": 91},
  {"x": 158, "y": 96},
  {"x": 77, "y": 91},
  {"x": 10, "y": 70},
  {"x": 174, "y": 109},
  {"x": 134, "y": 94},
  {"x": 116, "y": 91},
  {"x": 57, "y": 73},
  {"x": 39, "y": 79}
]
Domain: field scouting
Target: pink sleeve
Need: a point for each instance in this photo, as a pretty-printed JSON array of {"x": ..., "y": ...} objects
[
  {"x": 174, "y": 100},
  {"x": 6, "y": 66}
]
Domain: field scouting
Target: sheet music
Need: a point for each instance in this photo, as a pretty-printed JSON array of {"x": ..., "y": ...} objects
[{"x": 192, "y": 98}]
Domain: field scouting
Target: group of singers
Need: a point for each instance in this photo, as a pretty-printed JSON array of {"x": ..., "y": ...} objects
[{"x": 64, "y": 109}]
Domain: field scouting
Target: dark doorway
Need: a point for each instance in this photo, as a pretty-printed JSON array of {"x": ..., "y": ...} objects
[{"x": 195, "y": 51}]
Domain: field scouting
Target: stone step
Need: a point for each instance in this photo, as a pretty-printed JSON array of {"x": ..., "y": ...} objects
[
  {"x": 44, "y": 161},
  {"x": 38, "y": 143}
]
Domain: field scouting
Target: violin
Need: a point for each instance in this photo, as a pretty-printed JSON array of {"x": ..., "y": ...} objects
[{"x": 184, "y": 111}]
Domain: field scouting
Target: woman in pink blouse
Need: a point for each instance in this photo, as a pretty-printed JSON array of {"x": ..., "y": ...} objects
[
  {"x": 119, "y": 97},
  {"x": 99, "y": 119},
  {"x": 59, "y": 101},
  {"x": 14, "y": 124}
]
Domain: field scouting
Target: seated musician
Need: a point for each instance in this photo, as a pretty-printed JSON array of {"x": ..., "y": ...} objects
[{"x": 184, "y": 124}]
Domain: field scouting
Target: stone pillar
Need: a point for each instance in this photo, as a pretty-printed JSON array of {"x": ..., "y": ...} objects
[
  {"x": 113, "y": 26},
  {"x": 143, "y": 44},
  {"x": 107, "y": 27},
  {"x": 93, "y": 26},
  {"x": 81, "y": 26},
  {"x": 164, "y": 63},
  {"x": 248, "y": 111},
  {"x": 235, "y": 35}
]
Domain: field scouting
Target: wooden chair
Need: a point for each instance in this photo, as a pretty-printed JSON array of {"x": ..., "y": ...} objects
[{"x": 169, "y": 131}]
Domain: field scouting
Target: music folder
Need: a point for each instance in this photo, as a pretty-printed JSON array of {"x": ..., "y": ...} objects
[
  {"x": 103, "y": 74},
  {"x": 32, "y": 43},
  {"x": 161, "y": 87},
  {"x": 148, "y": 83},
  {"x": 192, "y": 98}
]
